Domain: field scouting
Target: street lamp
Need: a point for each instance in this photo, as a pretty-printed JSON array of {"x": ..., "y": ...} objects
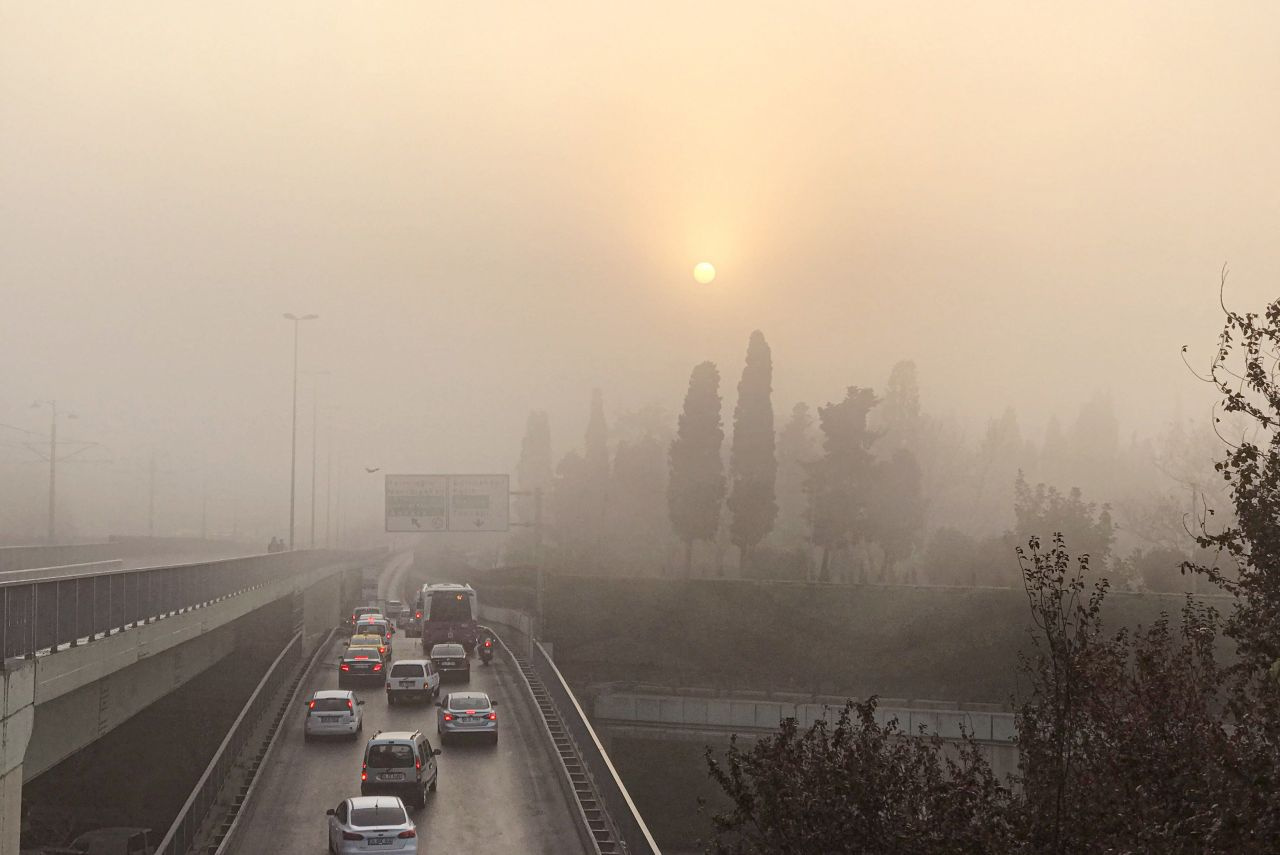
[
  {"x": 53, "y": 463},
  {"x": 293, "y": 447},
  {"x": 315, "y": 413}
]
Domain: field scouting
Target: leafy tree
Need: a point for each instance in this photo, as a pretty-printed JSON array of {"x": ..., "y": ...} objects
[
  {"x": 797, "y": 449},
  {"x": 897, "y": 509},
  {"x": 840, "y": 483},
  {"x": 898, "y": 417},
  {"x": 752, "y": 464},
  {"x": 696, "y": 487},
  {"x": 1042, "y": 511},
  {"x": 857, "y": 786},
  {"x": 638, "y": 522}
]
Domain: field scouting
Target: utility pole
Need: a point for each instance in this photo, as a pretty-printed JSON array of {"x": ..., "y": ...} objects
[
  {"x": 328, "y": 488},
  {"x": 53, "y": 471},
  {"x": 293, "y": 445},
  {"x": 315, "y": 413},
  {"x": 151, "y": 495}
]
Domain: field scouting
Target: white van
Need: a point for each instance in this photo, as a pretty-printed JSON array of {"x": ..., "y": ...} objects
[{"x": 412, "y": 678}]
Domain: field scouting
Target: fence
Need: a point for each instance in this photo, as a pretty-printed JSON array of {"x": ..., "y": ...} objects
[
  {"x": 43, "y": 609},
  {"x": 187, "y": 824}
]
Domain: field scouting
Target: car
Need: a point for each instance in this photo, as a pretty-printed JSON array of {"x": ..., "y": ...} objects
[
  {"x": 412, "y": 678},
  {"x": 400, "y": 763},
  {"x": 375, "y": 625},
  {"x": 372, "y": 640},
  {"x": 371, "y": 824},
  {"x": 333, "y": 712},
  {"x": 467, "y": 713},
  {"x": 360, "y": 664},
  {"x": 360, "y": 611},
  {"x": 451, "y": 660}
]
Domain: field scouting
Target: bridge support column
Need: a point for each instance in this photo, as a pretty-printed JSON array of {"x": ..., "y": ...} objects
[
  {"x": 322, "y": 610},
  {"x": 19, "y": 712}
]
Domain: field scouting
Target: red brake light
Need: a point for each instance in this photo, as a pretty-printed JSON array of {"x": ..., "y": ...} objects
[
  {"x": 418, "y": 614},
  {"x": 417, "y": 764},
  {"x": 377, "y": 666},
  {"x": 488, "y": 643},
  {"x": 351, "y": 835},
  {"x": 405, "y": 835},
  {"x": 493, "y": 716},
  {"x": 362, "y": 657},
  {"x": 448, "y": 717},
  {"x": 346, "y": 667},
  {"x": 348, "y": 704},
  {"x": 471, "y": 712},
  {"x": 312, "y": 705}
]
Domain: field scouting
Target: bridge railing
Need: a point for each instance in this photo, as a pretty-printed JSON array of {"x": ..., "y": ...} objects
[
  {"x": 617, "y": 801},
  {"x": 186, "y": 825},
  {"x": 46, "y": 608}
]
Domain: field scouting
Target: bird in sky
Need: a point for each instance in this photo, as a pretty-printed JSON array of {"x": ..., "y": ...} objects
[{"x": 374, "y": 469}]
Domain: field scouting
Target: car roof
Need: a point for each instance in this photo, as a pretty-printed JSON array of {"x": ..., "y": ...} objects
[
  {"x": 467, "y": 697},
  {"x": 332, "y": 693},
  {"x": 375, "y": 801},
  {"x": 435, "y": 647},
  {"x": 396, "y": 736},
  {"x": 411, "y": 662}
]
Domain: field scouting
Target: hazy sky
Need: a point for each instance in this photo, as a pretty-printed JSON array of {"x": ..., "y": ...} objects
[{"x": 495, "y": 206}]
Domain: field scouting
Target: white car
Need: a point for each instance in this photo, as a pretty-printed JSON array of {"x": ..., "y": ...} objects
[
  {"x": 412, "y": 678},
  {"x": 333, "y": 712},
  {"x": 371, "y": 824}
]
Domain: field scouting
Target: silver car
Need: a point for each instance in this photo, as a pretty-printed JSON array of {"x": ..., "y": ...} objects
[
  {"x": 464, "y": 713},
  {"x": 333, "y": 712},
  {"x": 371, "y": 824}
]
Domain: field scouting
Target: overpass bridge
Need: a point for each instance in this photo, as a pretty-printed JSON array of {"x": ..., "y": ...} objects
[{"x": 87, "y": 646}]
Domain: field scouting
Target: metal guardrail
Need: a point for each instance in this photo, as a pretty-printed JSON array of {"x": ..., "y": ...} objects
[
  {"x": 186, "y": 826},
  {"x": 43, "y": 609},
  {"x": 748, "y": 715},
  {"x": 617, "y": 801}
]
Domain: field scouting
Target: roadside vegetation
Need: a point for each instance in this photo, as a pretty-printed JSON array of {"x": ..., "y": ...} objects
[{"x": 1130, "y": 741}]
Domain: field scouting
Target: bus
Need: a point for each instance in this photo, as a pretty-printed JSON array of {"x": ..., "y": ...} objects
[{"x": 446, "y": 611}]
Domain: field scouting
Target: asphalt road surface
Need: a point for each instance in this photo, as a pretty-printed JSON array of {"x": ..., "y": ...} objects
[{"x": 491, "y": 799}]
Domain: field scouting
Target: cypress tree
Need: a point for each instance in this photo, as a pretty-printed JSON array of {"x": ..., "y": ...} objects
[
  {"x": 696, "y": 488},
  {"x": 752, "y": 462}
]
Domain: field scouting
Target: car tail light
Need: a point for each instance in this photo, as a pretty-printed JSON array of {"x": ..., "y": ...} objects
[
  {"x": 346, "y": 667},
  {"x": 377, "y": 666},
  {"x": 417, "y": 764},
  {"x": 493, "y": 716},
  {"x": 488, "y": 643},
  {"x": 364, "y": 771},
  {"x": 405, "y": 835},
  {"x": 312, "y": 705},
  {"x": 351, "y": 835},
  {"x": 471, "y": 712},
  {"x": 349, "y": 706},
  {"x": 448, "y": 717},
  {"x": 417, "y": 614}
]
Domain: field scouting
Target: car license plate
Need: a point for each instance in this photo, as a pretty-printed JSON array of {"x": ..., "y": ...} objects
[
  {"x": 379, "y": 841},
  {"x": 448, "y": 663},
  {"x": 391, "y": 776},
  {"x": 406, "y": 684},
  {"x": 328, "y": 719}
]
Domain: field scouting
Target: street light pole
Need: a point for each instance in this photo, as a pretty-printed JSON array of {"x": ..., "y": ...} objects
[
  {"x": 52, "y": 532},
  {"x": 293, "y": 445},
  {"x": 315, "y": 412}
]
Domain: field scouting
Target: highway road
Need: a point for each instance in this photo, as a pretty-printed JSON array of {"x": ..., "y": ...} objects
[{"x": 491, "y": 799}]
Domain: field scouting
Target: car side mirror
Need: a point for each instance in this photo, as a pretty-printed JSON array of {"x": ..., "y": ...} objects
[
  {"x": 359, "y": 703},
  {"x": 435, "y": 751},
  {"x": 330, "y": 812},
  {"x": 493, "y": 703}
]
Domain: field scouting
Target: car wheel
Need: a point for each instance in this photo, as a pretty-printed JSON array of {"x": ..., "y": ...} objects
[
  {"x": 422, "y": 797},
  {"x": 434, "y": 779},
  {"x": 493, "y": 740},
  {"x": 391, "y": 699}
]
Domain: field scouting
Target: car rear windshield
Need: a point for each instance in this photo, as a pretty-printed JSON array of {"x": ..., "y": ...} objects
[
  {"x": 407, "y": 671},
  {"x": 330, "y": 705},
  {"x": 365, "y": 817},
  {"x": 390, "y": 756},
  {"x": 448, "y": 650},
  {"x": 468, "y": 702},
  {"x": 363, "y": 653}
]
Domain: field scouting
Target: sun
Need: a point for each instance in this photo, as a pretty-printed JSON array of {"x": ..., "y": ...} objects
[{"x": 704, "y": 272}]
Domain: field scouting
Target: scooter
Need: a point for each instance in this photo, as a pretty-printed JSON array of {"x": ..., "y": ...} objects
[{"x": 486, "y": 650}]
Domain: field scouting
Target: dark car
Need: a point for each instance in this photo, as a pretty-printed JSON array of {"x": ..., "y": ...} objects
[
  {"x": 451, "y": 661},
  {"x": 360, "y": 665}
]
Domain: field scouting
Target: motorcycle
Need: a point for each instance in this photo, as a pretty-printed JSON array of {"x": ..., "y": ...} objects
[{"x": 486, "y": 650}]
